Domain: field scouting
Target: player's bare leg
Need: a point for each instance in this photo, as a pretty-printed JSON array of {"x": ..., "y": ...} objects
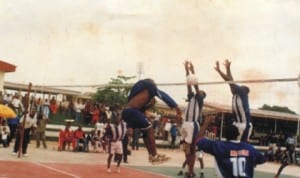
[{"x": 149, "y": 141}]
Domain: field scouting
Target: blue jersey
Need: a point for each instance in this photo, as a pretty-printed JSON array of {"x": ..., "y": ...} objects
[
  {"x": 241, "y": 109},
  {"x": 153, "y": 91},
  {"x": 233, "y": 159},
  {"x": 135, "y": 117}
]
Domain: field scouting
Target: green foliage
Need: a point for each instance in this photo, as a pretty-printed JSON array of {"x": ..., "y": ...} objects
[
  {"x": 277, "y": 108},
  {"x": 115, "y": 92}
]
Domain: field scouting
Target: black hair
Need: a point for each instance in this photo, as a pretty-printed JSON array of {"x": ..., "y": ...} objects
[
  {"x": 247, "y": 89},
  {"x": 150, "y": 80},
  {"x": 231, "y": 132}
]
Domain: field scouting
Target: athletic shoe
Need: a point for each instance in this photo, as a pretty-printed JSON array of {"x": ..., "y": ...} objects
[
  {"x": 118, "y": 169},
  {"x": 158, "y": 159},
  {"x": 108, "y": 170},
  {"x": 25, "y": 155},
  {"x": 180, "y": 173},
  {"x": 14, "y": 153}
]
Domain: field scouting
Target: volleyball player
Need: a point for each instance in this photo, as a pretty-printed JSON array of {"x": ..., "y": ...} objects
[
  {"x": 233, "y": 158},
  {"x": 288, "y": 156},
  {"x": 142, "y": 97},
  {"x": 240, "y": 102},
  {"x": 192, "y": 119},
  {"x": 115, "y": 134}
]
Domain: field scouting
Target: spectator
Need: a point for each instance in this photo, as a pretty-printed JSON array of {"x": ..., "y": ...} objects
[
  {"x": 174, "y": 133},
  {"x": 79, "y": 139},
  {"x": 167, "y": 130},
  {"x": 17, "y": 104},
  {"x": 66, "y": 138},
  {"x": 278, "y": 154},
  {"x": 41, "y": 130},
  {"x": 87, "y": 112},
  {"x": 4, "y": 133},
  {"x": 156, "y": 120},
  {"x": 29, "y": 127},
  {"x": 269, "y": 154},
  {"x": 46, "y": 108},
  {"x": 78, "y": 110},
  {"x": 95, "y": 139},
  {"x": 70, "y": 109},
  {"x": 53, "y": 105},
  {"x": 12, "y": 124},
  {"x": 95, "y": 113},
  {"x": 7, "y": 99},
  {"x": 4, "y": 136}
]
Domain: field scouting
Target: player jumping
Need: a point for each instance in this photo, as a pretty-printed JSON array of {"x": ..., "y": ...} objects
[{"x": 142, "y": 97}]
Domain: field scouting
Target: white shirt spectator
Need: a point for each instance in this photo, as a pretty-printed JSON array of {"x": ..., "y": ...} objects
[
  {"x": 78, "y": 107},
  {"x": 16, "y": 102},
  {"x": 29, "y": 122},
  {"x": 168, "y": 126}
]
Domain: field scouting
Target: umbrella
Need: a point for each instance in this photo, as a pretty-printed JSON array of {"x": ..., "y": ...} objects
[{"x": 7, "y": 112}]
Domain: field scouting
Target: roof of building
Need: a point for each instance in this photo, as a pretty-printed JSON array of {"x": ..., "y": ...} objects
[
  {"x": 255, "y": 112},
  {"x": 216, "y": 107},
  {"x": 45, "y": 90},
  {"x": 6, "y": 67}
]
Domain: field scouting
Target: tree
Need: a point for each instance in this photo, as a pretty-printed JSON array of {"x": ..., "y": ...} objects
[
  {"x": 115, "y": 92},
  {"x": 277, "y": 108}
]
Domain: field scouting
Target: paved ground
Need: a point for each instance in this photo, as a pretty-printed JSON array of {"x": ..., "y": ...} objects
[{"x": 138, "y": 160}]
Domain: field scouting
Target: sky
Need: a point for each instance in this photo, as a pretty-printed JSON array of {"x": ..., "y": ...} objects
[{"x": 85, "y": 42}]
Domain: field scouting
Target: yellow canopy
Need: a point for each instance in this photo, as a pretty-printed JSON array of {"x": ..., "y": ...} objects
[{"x": 6, "y": 112}]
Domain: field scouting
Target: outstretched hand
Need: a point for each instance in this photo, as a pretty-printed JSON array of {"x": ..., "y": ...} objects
[
  {"x": 217, "y": 67},
  {"x": 227, "y": 63}
]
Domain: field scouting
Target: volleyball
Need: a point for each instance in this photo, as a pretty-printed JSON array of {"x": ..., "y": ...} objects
[{"x": 191, "y": 79}]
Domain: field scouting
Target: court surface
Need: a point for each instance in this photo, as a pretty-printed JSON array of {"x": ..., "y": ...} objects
[{"x": 50, "y": 163}]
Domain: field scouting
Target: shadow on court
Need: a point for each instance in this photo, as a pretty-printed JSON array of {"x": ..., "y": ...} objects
[{"x": 208, "y": 172}]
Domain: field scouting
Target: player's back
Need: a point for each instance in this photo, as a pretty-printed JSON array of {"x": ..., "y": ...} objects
[
  {"x": 233, "y": 159},
  {"x": 141, "y": 93}
]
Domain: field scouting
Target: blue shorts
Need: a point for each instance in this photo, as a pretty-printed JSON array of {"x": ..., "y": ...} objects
[{"x": 135, "y": 118}]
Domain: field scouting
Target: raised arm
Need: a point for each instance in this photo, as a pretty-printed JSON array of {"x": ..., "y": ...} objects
[
  {"x": 227, "y": 64},
  {"x": 187, "y": 73},
  {"x": 227, "y": 76},
  {"x": 222, "y": 74},
  {"x": 193, "y": 72},
  {"x": 207, "y": 121}
]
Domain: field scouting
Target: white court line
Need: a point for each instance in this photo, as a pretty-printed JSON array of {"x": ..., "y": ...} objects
[
  {"x": 57, "y": 170},
  {"x": 149, "y": 172}
]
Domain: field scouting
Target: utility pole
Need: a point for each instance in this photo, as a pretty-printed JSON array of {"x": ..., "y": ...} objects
[
  {"x": 299, "y": 106},
  {"x": 298, "y": 124},
  {"x": 140, "y": 69}
]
